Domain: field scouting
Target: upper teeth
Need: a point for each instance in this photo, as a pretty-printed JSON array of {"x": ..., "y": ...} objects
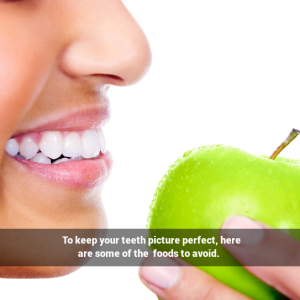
[
  {"x": 72, "y": 145},
  {"x": 12, "y": 147},
  {"x": 90, "y": 144},
  {"x": 28, "y": 148},
  {"x": 53, "y": 144}
]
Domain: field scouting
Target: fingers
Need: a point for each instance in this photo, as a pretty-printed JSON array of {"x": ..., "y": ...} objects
[
  {"x": 277, "y": 254},
  {"x": 178, "y": 281}
]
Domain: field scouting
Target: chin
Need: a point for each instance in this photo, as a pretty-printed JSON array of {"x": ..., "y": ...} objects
[
  {"x": 44, "y": 204},
  {"x": 35, "y": 272},
  {"x": 58, "y": 259},
  {"x": 53, "y": 175}
]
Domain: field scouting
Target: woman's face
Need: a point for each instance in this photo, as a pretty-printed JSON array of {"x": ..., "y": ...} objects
[{"x": 57, "y": 60}]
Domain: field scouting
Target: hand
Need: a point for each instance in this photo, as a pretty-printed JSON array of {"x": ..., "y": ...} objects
[{"x": 189, "y": 283}]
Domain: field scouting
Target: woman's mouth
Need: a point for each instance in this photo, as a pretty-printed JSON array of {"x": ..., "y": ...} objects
[
  {"x": 77, "y": 159},
  {"x": 57, "y": 147}
]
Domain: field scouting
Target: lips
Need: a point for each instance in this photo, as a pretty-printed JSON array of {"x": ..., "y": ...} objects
[
  {"x": 76, "y": 174},
  {"x": 75, "y": 158}
]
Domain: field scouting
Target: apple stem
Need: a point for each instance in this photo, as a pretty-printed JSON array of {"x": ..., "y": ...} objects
[{"x": 293, "y": 134}]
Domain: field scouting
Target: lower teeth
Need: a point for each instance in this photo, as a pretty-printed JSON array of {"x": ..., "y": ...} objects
[{"x": 59, "y": 160}]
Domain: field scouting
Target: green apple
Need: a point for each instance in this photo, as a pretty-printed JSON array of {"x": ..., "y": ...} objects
[{"x": 206, "y": 185}]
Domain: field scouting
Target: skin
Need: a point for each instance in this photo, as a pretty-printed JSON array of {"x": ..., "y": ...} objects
[
  {"x": 54, "y": 55},
  {"x": 49, "y": 65},
  {"x": 57, "y": 57}
]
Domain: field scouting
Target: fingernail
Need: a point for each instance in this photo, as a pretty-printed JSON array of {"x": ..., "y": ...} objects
[
  {"x": 161, "y": 277},
  {"x": 240, "y": 222},
  {"x": 248, "y": 237}
]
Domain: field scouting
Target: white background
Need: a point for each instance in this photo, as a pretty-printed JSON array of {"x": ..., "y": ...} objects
[{"x": 223, "y": 72}]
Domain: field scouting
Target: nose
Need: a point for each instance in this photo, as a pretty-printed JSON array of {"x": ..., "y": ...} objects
[{"x": 105, "y": 40}]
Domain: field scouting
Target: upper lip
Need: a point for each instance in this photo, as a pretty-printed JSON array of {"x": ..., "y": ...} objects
[{"x": 80, "y": 119}]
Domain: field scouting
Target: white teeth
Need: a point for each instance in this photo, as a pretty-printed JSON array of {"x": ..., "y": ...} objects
[
  {"x": 28, "y": 148},
  {"x": 101, "y": 140},
  {"x": 41, "y": 159},
  {"x": 12, "y": 147},
  {"x": 61, "y": 160},
  {"x": 76, "y": 158},
  {"x": 52, "y": 144},
  {"x": 19, "y": 156},
  {"x": 90, "y": 144},
  {"x": 72, "y": 145}
]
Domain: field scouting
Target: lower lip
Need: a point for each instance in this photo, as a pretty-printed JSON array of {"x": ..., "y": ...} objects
[{"x": 82, "y": 174}]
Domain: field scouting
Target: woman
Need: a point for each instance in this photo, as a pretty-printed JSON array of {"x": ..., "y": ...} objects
[{"x": 57, "y": 61}]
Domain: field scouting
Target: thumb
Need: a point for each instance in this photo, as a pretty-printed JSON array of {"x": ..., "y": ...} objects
[{"x": 177, "y": 280}]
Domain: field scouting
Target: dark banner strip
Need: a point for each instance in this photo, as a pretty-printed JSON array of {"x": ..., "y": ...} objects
[{"x": 128, "y": 247}]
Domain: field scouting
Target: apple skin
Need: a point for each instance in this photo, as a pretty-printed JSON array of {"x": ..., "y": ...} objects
[{"x": 208, "y": 184}]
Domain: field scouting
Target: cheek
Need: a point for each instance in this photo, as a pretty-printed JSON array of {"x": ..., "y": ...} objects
[{"x": 24, "y": 67}]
